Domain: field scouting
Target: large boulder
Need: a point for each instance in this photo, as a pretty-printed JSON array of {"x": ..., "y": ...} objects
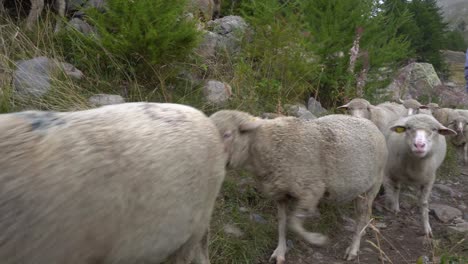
[
  {"x": 223, "y": 35},
  {"x": 33, "y": 77},
  {"x": 415, "y": 80}
]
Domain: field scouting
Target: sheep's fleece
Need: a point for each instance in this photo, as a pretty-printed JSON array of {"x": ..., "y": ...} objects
[
  {"x": 126, "y": 183},
  {"x": 335, "y": 157}
]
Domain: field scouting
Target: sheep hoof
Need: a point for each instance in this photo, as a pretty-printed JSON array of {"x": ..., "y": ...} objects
[
  {"x": 350, "y": 254},
  {"x": 280, "y": 259}
]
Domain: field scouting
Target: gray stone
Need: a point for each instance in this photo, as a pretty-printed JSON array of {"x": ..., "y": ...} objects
[
  {"x": 225, "y": 35},
  {"x": 105, "y": 99},
  {"x": 413, "y": 81},
  {"x": 315, "y": 107},
  {"x": 299, "y": 110},
  {"x": 257, "y": 218},
  {"x": 33, "y": 77},
  {"x": 445, "y": 213},
  {"x": 217, "y": 92},
  {"x": 446, "y": 189},
  {"x": 270, "y": 115},
  {"x": 233, "y": 230},
  {"x": 243, "y": 209},
  {"x": 82, "y": 26},
  {"x": 460, "y": 227}
]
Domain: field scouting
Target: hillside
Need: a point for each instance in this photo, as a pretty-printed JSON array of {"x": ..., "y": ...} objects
[{"x": 456, "y": 13}]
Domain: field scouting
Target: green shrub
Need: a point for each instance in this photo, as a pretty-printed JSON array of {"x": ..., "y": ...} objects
[{"x": 146, "y": 32}]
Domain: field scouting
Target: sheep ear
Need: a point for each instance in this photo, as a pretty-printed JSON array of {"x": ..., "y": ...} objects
[
  {"x": 446, "y": 131},
  {"x": 343, "y": 106},
  {"x": 401, "y": 101},
  {"x": 250, "y": 125},
  {"x": 423, "y": 107},
  {"x": 398, "y": 129}
]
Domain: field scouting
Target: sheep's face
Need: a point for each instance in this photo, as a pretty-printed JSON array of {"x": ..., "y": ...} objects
[
  {"x": 236, "y": 129},
  {"x": 413, "y": 106},
  {"x": 358, "y": 108},
  {"x": 458, "y": 123},
  {"x": 433, "y": 107},
  {"x": 420, "y": 132}
]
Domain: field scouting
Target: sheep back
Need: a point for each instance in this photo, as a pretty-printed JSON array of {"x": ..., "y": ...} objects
[
  {"x": 343, "y": 153},
  {"x": 121, "y": 183}
]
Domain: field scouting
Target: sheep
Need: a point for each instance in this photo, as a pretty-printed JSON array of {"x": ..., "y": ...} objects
[
  {"x": 459, "y": 122},
  {"x": 382, "y": 115},
  {"x": 416, "y": 148},
  {"x": 124, "y": 183},
  {"x": 415, "y": 107},
  {"x": 443, "y": 115},
  {"x": 335, "y": 158}
]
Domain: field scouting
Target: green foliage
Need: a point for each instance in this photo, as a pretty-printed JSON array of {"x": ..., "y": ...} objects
[
  {"x": 454, "y": 41},
  {"x": 276, "y": 64},
  {"x": 333, "y": 26},
  {"x": 143, "y": 32},
  {"x": 425, "y": 28}
]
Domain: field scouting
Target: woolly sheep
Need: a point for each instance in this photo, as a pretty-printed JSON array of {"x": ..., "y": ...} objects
[
  {"x": 381, "y": 115},
  {"x": 126, "y": 183},
  {"x": 338, "y": 158},
  {"x": 443, "y": 115},
  {"x": 416, "y": 148},
  {"x": 415, "y": 107}
]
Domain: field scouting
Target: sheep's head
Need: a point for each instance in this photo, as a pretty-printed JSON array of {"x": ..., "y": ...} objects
[
  {"x": 358, "y": 107},
  {"x": 433, "y": 107},
  {"x": 458, "y": 122},
  {"x": 420, "y": 131},
  {"x": 236, "y": 129},
  {"x": 413, "y": 106}
]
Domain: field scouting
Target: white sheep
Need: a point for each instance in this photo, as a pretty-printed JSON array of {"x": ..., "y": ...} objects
[
  {"x": 126, "y": 183},
  {"x": 338, "y": 158},
  {"x": 443, "y": 115},
  {"x": 416, "y": 148},
  {"x": 382, "y": 115},
  {"x": 415, "y": 107}
]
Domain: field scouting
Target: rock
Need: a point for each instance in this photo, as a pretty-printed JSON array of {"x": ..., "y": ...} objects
[
  {"x": 413, "y": 81},
  {"x": 243, "y": 209},
  {"x": 460, "y": 227},
  {"x": 445, "y": 213},
  {"x": 224, "y": 35},
  {"x": 257, "y": 218},
  {"x": 446, "y": 189},
  {"x": 315, "y": 107},
  {"x": 233, "y": 230},
  {"x": 299, "y": 110},
  {"x": 82, "y": 26},
  {"x": 33, "y": 77},
  {"x": 217, "y": 92},
  {"x": 105, "y": 99},
  {"x": 270, "y": 115},
  {"x": 289, "y": 244},
  {"x": 381, "y": 225}
]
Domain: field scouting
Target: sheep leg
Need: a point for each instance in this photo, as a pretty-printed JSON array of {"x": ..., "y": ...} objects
[
  {"x": 305, "y": 207},
  {"x": 424, "y": 205},
  {"x": 392, "y": 194},
  {"x": 465, "y": 153},
  {"x": 61, "y": 11},
  {"x": 363, "y": 205},
  {"x": 202, "y": 255},
  {"x": 280, "y": 251},
  {"x": 36, "y": 9}
]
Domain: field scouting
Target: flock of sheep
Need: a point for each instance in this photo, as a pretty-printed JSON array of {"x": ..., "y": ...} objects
[{"x": 137, "y": 182}]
